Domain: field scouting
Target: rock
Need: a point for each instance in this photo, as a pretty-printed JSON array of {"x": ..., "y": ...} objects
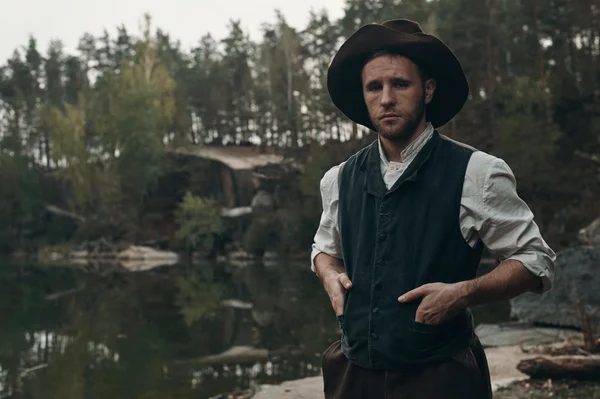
[
  {"x": 236, "y": 304},
  {"x": 240, "y": 259},
  {"x": 271, "y": 176},
  {"x": 236, "y": 212},
  {"x": 493, "y": 335},
  {"x": 590, "y": 235},
  {"x": 79, "y": 254},
  {"x": 146, "y": 253},
  {"x": 306, "y": 388},
  {"x": 144, "y": 265},
  {"x": 577, "y": 280},
  {"x": 236, "y": 354},
  {"x": 240, "y": 254},
  {"x": 263, "y": 202},
  {"x": 136, "y": 258},
  {"x": 262, "y": 317}
]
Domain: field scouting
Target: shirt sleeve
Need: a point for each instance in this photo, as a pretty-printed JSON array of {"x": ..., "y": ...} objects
[
  {"x": 506, "y": 225},
  {"x": 327, "y": 238}
]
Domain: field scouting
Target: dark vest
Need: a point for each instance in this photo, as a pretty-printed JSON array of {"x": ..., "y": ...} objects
[{"x": 394, "y": 241}]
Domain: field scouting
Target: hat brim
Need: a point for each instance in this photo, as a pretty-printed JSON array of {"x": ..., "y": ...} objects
[{"x": 344, "y": 76}]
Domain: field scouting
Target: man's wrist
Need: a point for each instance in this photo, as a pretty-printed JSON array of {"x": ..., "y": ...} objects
[
  {"x": 466, "y": 293},
  {"x": 327, "y": 272}
]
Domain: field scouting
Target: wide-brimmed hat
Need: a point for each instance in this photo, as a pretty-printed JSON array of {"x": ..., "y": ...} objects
[{"x": 404, "y": 37}]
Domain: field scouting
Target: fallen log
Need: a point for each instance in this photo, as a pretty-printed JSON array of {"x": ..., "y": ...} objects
[{"x": 576, "y": 367}]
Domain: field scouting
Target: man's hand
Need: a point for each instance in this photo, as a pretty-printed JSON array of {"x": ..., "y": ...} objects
[
  {"x": 334, "y": 279},
  {"x": 441, "y": 302},
  {"x": 336, "y": 286}
]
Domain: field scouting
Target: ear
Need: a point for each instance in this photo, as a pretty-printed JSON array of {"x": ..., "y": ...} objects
[{"x": 430, "y": 85}]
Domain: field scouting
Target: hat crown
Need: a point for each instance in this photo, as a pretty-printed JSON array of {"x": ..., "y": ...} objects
[{"x": 404, "y": 26}]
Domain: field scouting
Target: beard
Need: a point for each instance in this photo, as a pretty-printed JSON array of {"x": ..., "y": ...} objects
[{"x": 403, "y": 129}]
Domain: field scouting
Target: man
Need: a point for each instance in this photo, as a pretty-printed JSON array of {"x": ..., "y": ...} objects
[{"x": 404, "y": 224}]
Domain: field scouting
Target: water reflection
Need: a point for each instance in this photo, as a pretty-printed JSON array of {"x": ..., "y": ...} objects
[
  {"x": 103, "y": 332},
  {"x": 184, "y": 331}
]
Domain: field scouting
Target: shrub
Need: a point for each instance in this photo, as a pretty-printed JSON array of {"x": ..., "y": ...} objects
[{"x": 199, "y": 223}]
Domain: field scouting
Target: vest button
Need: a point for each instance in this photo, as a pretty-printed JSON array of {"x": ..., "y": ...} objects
[
  {"x": 377, "y": 286},
  {"x": 374, "y": 336},
  {"x": 376, "y": 310},
  {"x": 382, "y": 236}
]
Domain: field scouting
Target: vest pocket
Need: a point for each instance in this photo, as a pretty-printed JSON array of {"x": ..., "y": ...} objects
[
  {"x": 436, "y": 337},
  {"x": 432, "y": 328}
]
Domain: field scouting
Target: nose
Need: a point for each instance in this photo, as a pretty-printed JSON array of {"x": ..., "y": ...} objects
[{"x": 387, "y": 97}]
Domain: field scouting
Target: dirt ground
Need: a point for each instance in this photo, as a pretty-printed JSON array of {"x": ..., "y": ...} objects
[{"x": 550, "y": 389}]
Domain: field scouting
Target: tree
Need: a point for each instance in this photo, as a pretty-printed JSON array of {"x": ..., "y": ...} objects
[
  {"x": 67, "y": 132},
  {"x": 281, "y": 63},
  {"x": 205, "y": 80},
  {"x": 320, "y": 40},
  {"x": 237, "y": 85}
]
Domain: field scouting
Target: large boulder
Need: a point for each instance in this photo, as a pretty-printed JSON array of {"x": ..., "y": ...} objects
[
  {"x": 509, "y": 334},
  {"x": 263, "y": 202},
  {"x": 590, "y": 235},
  {"x": 576, "y": 282}
]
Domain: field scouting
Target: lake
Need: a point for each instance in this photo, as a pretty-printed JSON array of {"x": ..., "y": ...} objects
[{"x": 101, "y": 331}]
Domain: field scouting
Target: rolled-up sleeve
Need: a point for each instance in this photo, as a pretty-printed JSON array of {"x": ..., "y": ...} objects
[
  {"x": 507, "y": 226},
  {"x": 327, "y": 238}
]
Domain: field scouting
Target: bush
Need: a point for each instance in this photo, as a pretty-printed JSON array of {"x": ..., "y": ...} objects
[{"x": 199, "y": 223}]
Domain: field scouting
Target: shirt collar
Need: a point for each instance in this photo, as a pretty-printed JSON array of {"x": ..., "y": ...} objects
[{"x": 411, "y": 151}]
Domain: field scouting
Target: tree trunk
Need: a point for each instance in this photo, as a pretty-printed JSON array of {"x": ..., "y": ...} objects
[
  {"x": 47, "y": 148},
  {"x": 541, "y": 61},
  {"x": 490, "y": 75},
  {"x": 577, "y": 367}
]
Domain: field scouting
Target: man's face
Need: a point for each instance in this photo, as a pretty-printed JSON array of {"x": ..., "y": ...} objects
[{"x": 395, "y": 96}]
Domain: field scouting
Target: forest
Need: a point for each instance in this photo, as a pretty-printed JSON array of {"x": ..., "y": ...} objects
[{"x": 89, "y": 132}]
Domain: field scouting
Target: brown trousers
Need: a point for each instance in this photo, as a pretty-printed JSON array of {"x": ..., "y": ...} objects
[{"x": 464, "y": 376}]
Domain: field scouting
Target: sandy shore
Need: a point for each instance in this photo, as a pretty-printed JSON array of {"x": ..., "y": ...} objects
[{"x": 502, "y": 362}]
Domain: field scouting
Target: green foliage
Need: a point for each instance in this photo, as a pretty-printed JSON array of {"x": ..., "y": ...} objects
[
  {"x": 133, "y": 110},
  {"x": 101, "y": 119},
  {"x": 20, "y": 207},
  {"x": 198, "y": 297},
  {"x": 528, "y": 139},
  {"x": 199, "y": 223},
  {"x": 67, "y": 132}
]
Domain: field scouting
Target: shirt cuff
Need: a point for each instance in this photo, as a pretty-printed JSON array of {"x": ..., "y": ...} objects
[
  {"x": 540, "y": 265},
  {"x": 313, "y": 254}
]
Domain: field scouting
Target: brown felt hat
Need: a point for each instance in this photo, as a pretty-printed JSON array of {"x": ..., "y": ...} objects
[{"x": 404, "y": 37}]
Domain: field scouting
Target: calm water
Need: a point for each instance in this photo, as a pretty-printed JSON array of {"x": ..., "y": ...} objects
[{"x": 103, "y": 332}]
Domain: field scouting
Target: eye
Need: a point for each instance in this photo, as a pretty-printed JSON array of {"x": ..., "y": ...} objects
[
  {"x": 374, "y": 87},
  {"x": 400, "y": 84}
]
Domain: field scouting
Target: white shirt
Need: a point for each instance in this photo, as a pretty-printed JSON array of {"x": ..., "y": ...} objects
[{"x": 490, "y": 211}]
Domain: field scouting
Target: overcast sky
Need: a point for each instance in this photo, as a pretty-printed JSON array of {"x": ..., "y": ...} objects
[{"x": 186, "y": 20}]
